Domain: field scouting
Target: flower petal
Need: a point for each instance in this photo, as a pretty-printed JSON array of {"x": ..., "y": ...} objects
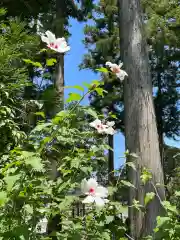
[
  {"x": 99, "y": 201},
  {"x": 101, "y": 192},
  {"x": 84, "y": 186},
  {"x": 121, "y": 75},
  {"x": 91, "y": 183},
  {"x": 45, "y": 39},
  {"x": 110, "y": 124},
  {"x": 95, "y": 123},
  {"x": 50, "y": 36},
  {"x": 110, "y": 131},
  {"x": 120, "y": 65},
  {"x": 88, "y": 199}
]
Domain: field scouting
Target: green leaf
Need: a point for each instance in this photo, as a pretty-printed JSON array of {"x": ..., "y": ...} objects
[
  {"x": 10, "y": 181},
  {"x": 99, "y": 91},
  {"x": 87, "y": 85},
  {"x": 3, "y": 11},
  {"x": 50, "y": 62},
  {"x": 34, "y": 161},
  {"x": 104, "y": 70},
  {"x": 131, "y": 164},
  {"x": 40, "y": 127},
  {"x": 28, "y": 209},
  {"x": 149, "y": 197},
  {"x": 42, "y": 114},
  {"x": 76, "y": 87},
  {"x": 127, "y": 183},
  {"x": 146, "y": 176},
  {"x": 162, "y": 220},
  {"x": 177, "y": 193},
  {"x": 43, "y": 50},
  {"x": 109, "y": 219},
  {"x": 169, "y": 207},
  {"x": 36, "y": 64},
  {"x": 3, "y": 197},
  {"x": 91, "y": 112},
  {"x": 73, "y": 97}
]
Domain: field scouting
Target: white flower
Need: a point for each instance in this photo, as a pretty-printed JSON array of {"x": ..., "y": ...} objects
[
  {"x": 103, "y": 128},
  {"x": 110, "y": 131},
  {"x": 110, "y": 124},
  {"x": 117, "y": 70},
  {"x": 97, "y": 124},
  {"x": 58, "y": 45},
  {"x": 42, "y": 225},
  {"x": 95, "y": 193}
]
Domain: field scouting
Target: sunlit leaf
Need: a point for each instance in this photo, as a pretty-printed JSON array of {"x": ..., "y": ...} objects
[
  {"x": 73, "y": 97},
  {"x": 3, "y": 197},
  {"x": 76, "y": 87},
  {"x": 50, "y": 62},
  {"x": 149, "y": 197},
  {"x": 127, "y": 183},
  {"x": 10, "y": 181},
  {"x": 104, "y": 70}
]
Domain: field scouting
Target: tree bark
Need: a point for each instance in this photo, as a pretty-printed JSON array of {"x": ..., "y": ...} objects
[
  {"x": 59, "y": 75},
  {"x": 111, "y": 160},
  {"x": 140, "y": 122}
]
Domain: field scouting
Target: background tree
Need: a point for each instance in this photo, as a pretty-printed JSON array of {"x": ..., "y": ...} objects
[
  {"x": 140, "y": 121},
  {"x": 101, "y": 40}
]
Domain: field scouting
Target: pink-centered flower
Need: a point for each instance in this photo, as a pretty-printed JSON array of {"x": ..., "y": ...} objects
[
  {"x": 95, "y": 193},
  {"x": 58, "y": 45},
  {"x": 103, "y": 128},
  {"x": 121, "y": 74},
  {"x": 97, "y": 124}
]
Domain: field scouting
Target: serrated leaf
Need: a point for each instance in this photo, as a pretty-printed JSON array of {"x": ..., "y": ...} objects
[
  {"x": 109, "y": 219},
  {"x": 149, "y": 197},
  {"x": 10, "y": 181},
  {"x": 50, "y": 62},
  {"x": 28, "y": 209},
  {"x": 168, "y": 206},
  {"x": 3, "y": 197},
  {"x": 73, "y": 97},
  {"x": 35, "y": 162},
  {"x": 127, "y": 183}
]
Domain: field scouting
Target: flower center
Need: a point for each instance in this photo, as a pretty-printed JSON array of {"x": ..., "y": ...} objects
[
  {"x": 100, "y": 126},
  {"x": 56, "y": 46},
  {"x": 51, "y": 44},
  {"x": 91, "y": 190},
  {"x": 116, "y": 70}
]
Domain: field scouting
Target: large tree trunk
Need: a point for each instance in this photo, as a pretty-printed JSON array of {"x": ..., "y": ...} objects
[
  {"x": 59, "y": 76},
  {"x": 140, "y": 122}
]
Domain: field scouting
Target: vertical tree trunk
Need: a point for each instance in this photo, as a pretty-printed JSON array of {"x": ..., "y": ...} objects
[
  {"x": 140, "y": 122},
  {"x": 59, "y": 76},
  {"x": 111, "y": 160}
]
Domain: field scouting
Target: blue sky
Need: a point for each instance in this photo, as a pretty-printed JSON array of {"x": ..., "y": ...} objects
[{"x": 75, "y": 77}]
